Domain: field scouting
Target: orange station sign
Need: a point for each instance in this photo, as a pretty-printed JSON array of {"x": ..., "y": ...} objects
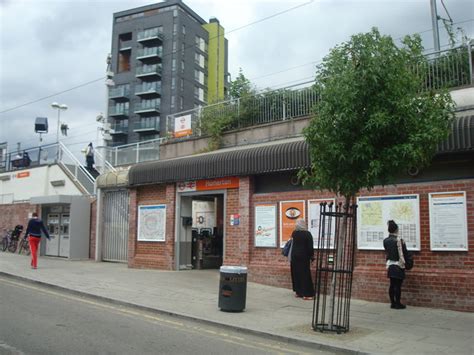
[
  {"x": 209, "y": 184},
  {"x": 23, "y": 174}
]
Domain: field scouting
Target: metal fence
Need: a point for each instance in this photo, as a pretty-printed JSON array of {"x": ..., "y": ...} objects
[
  {"x": 28, "y": 158},
  {"x": 132, "y": 153}
]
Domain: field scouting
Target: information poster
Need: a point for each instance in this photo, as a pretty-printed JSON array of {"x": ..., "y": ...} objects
[
  {"x": 448, "y": 221},
  {"x": 374, "y": 212},
  {"x": 265, "y": 225},
  {"x": 182, "y": 126},
  {"x": 151, "y": 223},
  {"x": 314, "y": 222},
  {"x": 290, "y": 212}
]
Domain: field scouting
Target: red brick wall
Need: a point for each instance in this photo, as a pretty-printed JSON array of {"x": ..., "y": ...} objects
[
  {"x": 155, "y": 255},
  {"x": 15, "y": 213},
  {"x": 439, "y": 279}
]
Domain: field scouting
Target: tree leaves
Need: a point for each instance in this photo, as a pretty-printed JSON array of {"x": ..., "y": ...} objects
[{"x": 372, "y": 122}]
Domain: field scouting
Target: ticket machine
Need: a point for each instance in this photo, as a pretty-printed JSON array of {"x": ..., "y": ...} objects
[{"x": 58, "y": 227}]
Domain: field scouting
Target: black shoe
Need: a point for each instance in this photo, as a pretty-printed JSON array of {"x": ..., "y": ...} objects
[
  {"x": 393, "y": 306},
  {"x": 400, "y": 306}
]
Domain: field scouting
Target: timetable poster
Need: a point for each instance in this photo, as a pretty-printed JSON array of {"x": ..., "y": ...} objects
[
  {"x": 265, "y": 225},
  {"x": 374, "y": 212},
  {"x": 152, "y": 223},
  {"x": 314, "y": 222},
  {"x": 448, "y": 221}
]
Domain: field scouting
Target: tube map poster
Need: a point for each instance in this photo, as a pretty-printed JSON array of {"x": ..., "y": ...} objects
[
  {"x": 375, "y": 211},
  {"x": 152, "y": 223}
]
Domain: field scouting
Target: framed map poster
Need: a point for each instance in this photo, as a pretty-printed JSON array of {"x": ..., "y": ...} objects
[
  {"x": 374, "y": 212},
  {"x": 314, "y": 211},
  {"x": 265, "y": 225},
  {"x": 290, "y": 212},
  {"x": 448, "y": 221},
  {"x": 151, "y": 223}
]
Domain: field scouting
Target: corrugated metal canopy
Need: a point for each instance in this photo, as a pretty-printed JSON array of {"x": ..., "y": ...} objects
[{"x": 264, "y": 158}]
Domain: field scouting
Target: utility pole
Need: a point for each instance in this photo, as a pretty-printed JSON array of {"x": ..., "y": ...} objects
[{"x": 434, "y": 22}]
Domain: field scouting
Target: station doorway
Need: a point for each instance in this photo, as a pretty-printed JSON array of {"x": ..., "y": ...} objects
[{"x": 200, "y": 230}]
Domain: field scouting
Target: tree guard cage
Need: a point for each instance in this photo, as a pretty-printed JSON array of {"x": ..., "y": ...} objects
[{"x": 334, "y": 267}]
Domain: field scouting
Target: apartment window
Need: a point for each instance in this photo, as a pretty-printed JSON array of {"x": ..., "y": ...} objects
[
  {"x": 199, "y": 93},
  {"x": 199, "y": 59},
  {"x": 175, "y": 29},
  {"x": 183, "y": 29},
  {"x": 181, "y": 84},
  {"x": 182, "y": 48},
  {"x": 199, "y": 76},
  {"x": 181, "y": 103},
  {"x": 175, "y": 13},
  {"x": 201, "y": 43},
  {"x": 173, "y": 99},
  {"x": 173, "y": 83},
  {"x": 182, "y": 66},
  {"x": 173, "y": 65},
  {"x": 174, "y": 46}
]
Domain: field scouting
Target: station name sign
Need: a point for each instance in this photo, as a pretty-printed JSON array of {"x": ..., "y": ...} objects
[{"x": 208, "y": 184}]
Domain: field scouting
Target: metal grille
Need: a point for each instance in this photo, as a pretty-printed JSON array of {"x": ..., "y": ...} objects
[
  {"x": 334, "y": 267},
  {"x": 115, "y": 226}
]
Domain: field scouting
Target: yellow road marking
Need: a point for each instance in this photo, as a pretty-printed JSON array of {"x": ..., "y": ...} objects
[{"x": 225, "y": 337}]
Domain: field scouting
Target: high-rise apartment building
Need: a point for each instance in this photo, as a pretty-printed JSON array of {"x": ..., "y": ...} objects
[{"x": 166, "y": 59}]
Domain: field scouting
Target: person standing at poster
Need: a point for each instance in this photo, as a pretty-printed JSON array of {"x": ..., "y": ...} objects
[
  {"x": 302, "y": 253},
  {"x": 395, "y": 250}
]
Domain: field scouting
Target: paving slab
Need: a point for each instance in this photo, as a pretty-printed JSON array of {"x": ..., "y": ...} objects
[{"x": 270, "y": 311}]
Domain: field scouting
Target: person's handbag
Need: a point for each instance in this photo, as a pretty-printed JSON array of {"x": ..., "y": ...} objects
[
  {"x": 286, "y": 249},
  {"x": 409, "y": 262}
]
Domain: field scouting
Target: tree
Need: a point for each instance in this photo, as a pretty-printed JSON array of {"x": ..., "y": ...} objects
[
  {"x": 373, "y": 120},
  {"x": 241, "y": 86}
]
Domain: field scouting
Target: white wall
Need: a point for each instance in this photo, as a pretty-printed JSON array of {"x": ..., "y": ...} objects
[
  {"x": 24, "y": 184},
  {"x": 463, "y": 97}
]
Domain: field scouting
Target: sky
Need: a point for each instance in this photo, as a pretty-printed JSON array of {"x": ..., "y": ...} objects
[{"x": 48, "y": 47}]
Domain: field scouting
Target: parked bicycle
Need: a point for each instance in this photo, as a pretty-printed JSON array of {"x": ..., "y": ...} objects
[
  {"x": 10, "y": 239},
  {"x": 24, "y": 246}
]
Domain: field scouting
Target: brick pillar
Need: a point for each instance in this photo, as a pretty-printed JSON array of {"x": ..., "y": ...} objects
[
  {"x": 132, "y": 226},
  {"x": 244, "y": 228},
  {"x": 170, "y": 225}
]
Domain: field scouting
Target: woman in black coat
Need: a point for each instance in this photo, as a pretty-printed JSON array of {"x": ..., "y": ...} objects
[
  {"x": 301, "y": 255},
  {"x": 395, "y": 250}
]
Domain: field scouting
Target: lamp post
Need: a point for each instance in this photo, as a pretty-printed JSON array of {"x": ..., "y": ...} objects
[{"x": 58, "y": 107}]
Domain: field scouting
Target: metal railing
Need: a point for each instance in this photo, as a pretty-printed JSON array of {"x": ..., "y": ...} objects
[
  {"x": 153, "y": 69},
  {"x": 29, "y": 158},
  {"x": 439, "y": 70},
  {"x": 272, "y": 106},
  {"x": 119, "y": 127},
  {"x": 133, "y": 153},
  {"x": 119, "y": 91},
  {"x": 147, "y": 124},
  {"x": 150, "y": 33},
  {"x": 78, "y": 172},
  {"x": 101, "y": 163},
  {"x": 148, "y": 88}
]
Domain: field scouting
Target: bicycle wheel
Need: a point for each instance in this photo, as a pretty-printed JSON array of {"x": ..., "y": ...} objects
[
  {"x": 4, "y": 243},
  {"x": 24, "y": 246},
  {"x": 13, "y": 245}
]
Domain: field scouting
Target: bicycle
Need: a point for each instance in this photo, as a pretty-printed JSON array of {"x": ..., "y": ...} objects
[
  {"x": 10, "y": 240},
  {"x": 24, "y": 245}
]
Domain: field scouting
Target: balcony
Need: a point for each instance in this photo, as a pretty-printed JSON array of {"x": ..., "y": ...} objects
[
  {"x": 148, "y": 106},
  {"x": 151, "y": 34},
  {"x": 149, "y": 71},
  {"x": 119, "y": 128},
  {"x": 148, "y": 89},
  {"x": 150, "y": 53},
  {"x": 119, "y": 92},
  {"x": 125, "y": 45},
  {"x": 148, "y": 124},
  {"x": 117, "y": 111}
]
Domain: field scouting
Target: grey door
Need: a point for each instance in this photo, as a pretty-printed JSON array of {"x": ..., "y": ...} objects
[{"x": 115, "y": 226}]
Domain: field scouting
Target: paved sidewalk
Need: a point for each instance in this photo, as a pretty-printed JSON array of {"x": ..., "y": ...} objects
[{"x": 375, "y": 328}]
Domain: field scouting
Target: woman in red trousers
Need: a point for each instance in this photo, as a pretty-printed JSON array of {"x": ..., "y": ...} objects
[{"x": 33, "y": 231}]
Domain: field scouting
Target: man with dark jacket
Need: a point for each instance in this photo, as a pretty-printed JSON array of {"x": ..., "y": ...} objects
[{"x": 33, "y": 232}]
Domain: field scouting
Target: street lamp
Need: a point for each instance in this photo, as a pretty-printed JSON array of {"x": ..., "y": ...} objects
[{"x": 59, "y": 107}]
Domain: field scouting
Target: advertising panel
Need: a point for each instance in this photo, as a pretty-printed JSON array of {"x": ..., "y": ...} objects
[
  {"x": 448, "y": 221},
  {"x": 314, "y": 211},
  {"x": 151, "y": 223},
  {"x": 290, "y": 212},
  {"x": 182, "y": 126},
  {"x": 374, "y": 212},
  {"x": 265, "y": 225}
]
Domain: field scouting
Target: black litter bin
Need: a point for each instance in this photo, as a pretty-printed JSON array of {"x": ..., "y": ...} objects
[{"x": 232, "y": 288}]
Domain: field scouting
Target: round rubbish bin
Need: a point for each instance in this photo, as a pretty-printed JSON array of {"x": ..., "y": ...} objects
[{"x": 232, "y": 288}]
